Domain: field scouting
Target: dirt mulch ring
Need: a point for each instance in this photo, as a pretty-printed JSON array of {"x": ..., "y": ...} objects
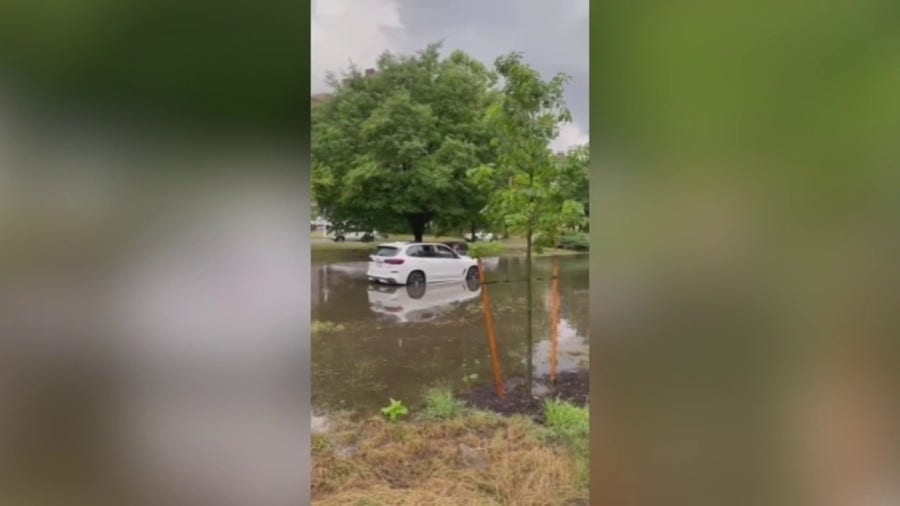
[{"x": 520, "y": 400}]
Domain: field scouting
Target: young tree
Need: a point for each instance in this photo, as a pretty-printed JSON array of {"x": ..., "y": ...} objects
[
  {"x": 395, "y": 147},
  {"x": 534, "y": 192},
  {"x": 532, "y": 188}
]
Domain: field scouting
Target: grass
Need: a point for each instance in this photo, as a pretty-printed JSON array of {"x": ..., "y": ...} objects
[
  {"x": 441, "y": 404},
  {"x": 478, "y": 458},
  {"x": 487, "y": 249},
  {"x": 513, "y": 246},
  {"x": 570, "y": 425},
  {"x": 330, "y": 244},
  {"x": 320, "y": 443},
  {"x": 325, "y": 327}
]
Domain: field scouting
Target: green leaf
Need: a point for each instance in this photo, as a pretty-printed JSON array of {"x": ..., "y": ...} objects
[{"x": 394, "y": 410}]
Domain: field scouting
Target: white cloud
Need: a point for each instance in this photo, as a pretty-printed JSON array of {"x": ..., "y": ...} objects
[
  {"x": 345, "y": 31},
  {"x": 569, "y": 136}
]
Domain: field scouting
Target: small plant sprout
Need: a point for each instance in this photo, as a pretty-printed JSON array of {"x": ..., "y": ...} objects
[{"x": 395, "y": 410}]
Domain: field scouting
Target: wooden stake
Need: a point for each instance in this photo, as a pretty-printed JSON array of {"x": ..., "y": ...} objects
[{"x": 492, "y": 338}]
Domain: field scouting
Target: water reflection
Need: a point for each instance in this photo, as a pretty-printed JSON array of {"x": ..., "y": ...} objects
[
  {"x": 380, "y": 342},
  {"x": 420, "y": 303},
  {"x": 571, "y": 354}
]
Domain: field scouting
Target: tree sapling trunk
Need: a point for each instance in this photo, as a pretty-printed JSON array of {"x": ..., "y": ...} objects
[{"x": 528, "y": 305}]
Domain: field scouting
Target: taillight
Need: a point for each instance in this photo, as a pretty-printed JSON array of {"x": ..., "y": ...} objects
[{"x": 394, "y": 261}]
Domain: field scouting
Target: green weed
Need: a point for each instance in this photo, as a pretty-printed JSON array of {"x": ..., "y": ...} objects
[
  {"x": 395, "y": 410},
  {"x": 320, "y": 327},
  {"x": 440, "y": 404},
  {"x": 320, "y": 444}
]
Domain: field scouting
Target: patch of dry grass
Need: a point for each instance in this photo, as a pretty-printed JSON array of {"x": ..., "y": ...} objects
[{"x": 479, "y": 459}]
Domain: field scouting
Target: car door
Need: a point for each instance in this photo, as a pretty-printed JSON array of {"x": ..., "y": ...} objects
[
  {"x": 447, "y": 262},
  {"x": 428, "y": 262},
  {"x": 417, "y": 258}
]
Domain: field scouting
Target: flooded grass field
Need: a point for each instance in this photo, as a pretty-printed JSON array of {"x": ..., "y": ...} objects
[{"x": 371, "y": 343}]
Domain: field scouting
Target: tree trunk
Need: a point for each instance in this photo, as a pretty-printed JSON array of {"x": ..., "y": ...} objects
[
  {"x": 472, "y": 228},
  {"x": 528, "y": 305},
  {"x": 528, "y": 240},
  {"x": 417, "y": 223}
]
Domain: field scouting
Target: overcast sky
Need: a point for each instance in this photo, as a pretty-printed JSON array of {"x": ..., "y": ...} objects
[{"x": 552, "y": 35}]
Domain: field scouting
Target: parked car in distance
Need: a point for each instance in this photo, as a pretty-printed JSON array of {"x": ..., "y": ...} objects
[
  {"x": 348, "y": 235},
  {"x": 459, "y": 247},
  {"x": 482, "y": 236},
  {"x": 416, "y": 263}
]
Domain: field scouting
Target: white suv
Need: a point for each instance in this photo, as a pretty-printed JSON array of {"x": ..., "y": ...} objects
[{"x": 403, "y": 263}]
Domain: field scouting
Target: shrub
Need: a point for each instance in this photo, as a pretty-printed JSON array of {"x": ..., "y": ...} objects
[
  {"x": 575, "y": 242},
  {"x": 486, "y": 249},
  {"x": 542, "y": 241}
]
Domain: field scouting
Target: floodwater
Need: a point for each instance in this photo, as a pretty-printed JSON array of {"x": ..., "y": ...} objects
[{"x": 373, "y": 343}]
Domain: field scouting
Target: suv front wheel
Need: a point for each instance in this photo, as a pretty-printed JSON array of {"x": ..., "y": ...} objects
[{"x": 416, "y": 278}]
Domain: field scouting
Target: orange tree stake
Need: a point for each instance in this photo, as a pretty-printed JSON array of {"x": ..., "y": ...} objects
[
  {"x": 492, "y": 338},
  {"x": 555, "y": 321}
]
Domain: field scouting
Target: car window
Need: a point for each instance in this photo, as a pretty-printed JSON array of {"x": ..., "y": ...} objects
[
  {"x": 414, "y": 251},
  {"x": 444, "y": 252},
  {"x": 460, "y": 249},
  {"x": 386, "y": 251},
  {"x": 426, "y": 250}
]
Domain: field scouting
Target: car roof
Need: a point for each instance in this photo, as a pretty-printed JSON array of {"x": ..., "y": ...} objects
[{"x": 401, "y": 244}]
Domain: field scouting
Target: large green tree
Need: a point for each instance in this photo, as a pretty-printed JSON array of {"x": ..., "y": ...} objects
[
  {"x": 575, "y": 174},
  {"x": 394, "y": 148}
]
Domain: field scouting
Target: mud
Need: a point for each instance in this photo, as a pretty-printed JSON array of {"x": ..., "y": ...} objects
[{"x": 520, "y": 400}]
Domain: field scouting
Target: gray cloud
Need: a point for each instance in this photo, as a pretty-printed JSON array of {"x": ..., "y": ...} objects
[{"x": 553, "y": 36}]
